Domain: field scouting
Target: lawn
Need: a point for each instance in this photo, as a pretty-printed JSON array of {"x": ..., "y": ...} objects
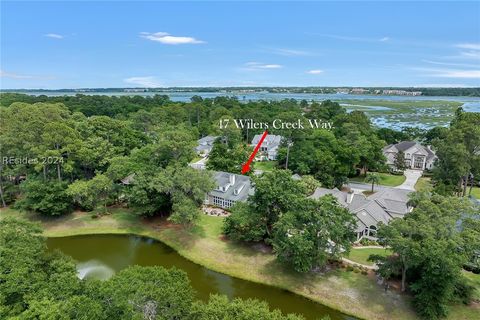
[
  {"x": 265, "y": 165},
  {"x": 423, "y": 184},
  {"x": 476, "y": 192},
  {"x": 360, "y": 255},
  {"x": 386, "y": 179},
  {"x": 474, "y": 280}
]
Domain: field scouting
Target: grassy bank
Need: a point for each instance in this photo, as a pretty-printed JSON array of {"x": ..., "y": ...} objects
[
  {"x": 386, "y": 179},
  {"x": 349, "y": 292}
]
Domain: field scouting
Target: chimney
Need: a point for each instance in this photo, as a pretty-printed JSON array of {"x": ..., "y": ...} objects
[
  {"x": 349, "y": 197},
  {"x": 232, "y": 179}
]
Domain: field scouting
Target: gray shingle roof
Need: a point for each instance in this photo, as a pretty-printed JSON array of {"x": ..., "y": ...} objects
[
  {"x": 239, "y": 191},
  {"x": 382, "y": 206},
  {"x": 405, "y": 145},
  {"x": 207, "y": 140}
]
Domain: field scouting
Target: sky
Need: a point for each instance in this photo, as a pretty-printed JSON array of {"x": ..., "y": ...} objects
[{"x": 53, "y": 45}]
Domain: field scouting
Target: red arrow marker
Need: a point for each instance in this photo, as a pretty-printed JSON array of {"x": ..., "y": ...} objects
[{"x": 246, "y": 166}]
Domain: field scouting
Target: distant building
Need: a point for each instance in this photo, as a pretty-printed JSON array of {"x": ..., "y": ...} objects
[
  {"x": 402, "y": 93},
  {"x": 230, "y": 189},
  {"x": 269, "y": 148},
  {"x": 359, "y": 91},
  {"x": 205, "y": 145},
  {"x": 382, "y": 206},
  {"x": 416, "y": 156}
]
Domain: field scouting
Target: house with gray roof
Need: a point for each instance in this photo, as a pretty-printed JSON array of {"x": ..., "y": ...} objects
[
  {"x": 205, "y": 145},
  {"x": 230, "y": 188},
  {"x": 416, "y": 156},
  {"x": 269, "y": 148},
  {"x": 382, "y": 206}
]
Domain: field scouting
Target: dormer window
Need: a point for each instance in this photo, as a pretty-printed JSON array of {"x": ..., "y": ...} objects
[{"x": 238, "y": 190}]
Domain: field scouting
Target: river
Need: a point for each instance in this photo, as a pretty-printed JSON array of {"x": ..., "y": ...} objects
[{"x": 101, "y": 256}]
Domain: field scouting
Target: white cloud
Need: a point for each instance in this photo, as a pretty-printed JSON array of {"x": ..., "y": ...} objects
[
  {"x": 54, "y": 36},
  {"x": 10, "y": 75},
  {"x": 451, "y": 73},
  {"x": 451, "y": 64},
  {"x": 147, "y": 82},
  {"x": 289, "y": 52},
  {"x": 469, "y": 46},
  {"x": 261, "y": 66},
  {"x": 470, "y": 54},
  {"x": 442, "y": 85},
  {"x": 17, "y": 76},
  {"x": 315, "y": 71},
  {"x": 474, "y": 74},
  {"x": 357, "y": 39},
  {"x": 166, "y": 38}
]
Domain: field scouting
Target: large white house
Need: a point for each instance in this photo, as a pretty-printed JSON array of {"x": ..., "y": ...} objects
[
  {"x": 416, "y": 156},
  {"x": 269, "y": 148},
  {"x": 230, "y": 188}
]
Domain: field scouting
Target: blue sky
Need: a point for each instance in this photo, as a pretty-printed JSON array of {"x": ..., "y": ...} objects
[{"x": 150, "y": 44}]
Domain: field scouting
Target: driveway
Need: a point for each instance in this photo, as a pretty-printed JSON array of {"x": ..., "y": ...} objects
[
  {"x": 359, "y": 187},
  {"x": 412, "y": 177}
]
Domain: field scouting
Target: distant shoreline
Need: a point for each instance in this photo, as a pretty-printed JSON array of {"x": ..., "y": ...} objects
[{"x": 340, "y": 90}]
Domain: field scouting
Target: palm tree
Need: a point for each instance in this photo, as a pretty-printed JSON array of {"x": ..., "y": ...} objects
[{"x": 373, "y": 178}]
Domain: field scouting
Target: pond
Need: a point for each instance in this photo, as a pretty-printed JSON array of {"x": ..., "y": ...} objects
[{"x": 100, "y": 256}]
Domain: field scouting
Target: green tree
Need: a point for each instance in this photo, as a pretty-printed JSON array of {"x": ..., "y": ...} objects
[
  {"x": 245, "y": 223},
  {"x": 45, "y": 197},
  {"x": 309, "y": 184},
  {"x": 186, "y": 188},
  {"x": 219, "y": 307},
  {"x": 175, "y": 189},
  {"x": 275, "y": 193},
  {"x": 399, "y": 161},
  {"x": 372, "y": 178},
  {"x": 457, "y": 151},
  {"x": 224, "y": 158},
  {"x": 29, "y": 276},
  {"x": 431, "y": 244},
  {"x": 315, "y": 231},
  {"x": 59, "y": 142},
  {"x": 89, "y": 194},
  {"x": 147, "y": 293}
]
